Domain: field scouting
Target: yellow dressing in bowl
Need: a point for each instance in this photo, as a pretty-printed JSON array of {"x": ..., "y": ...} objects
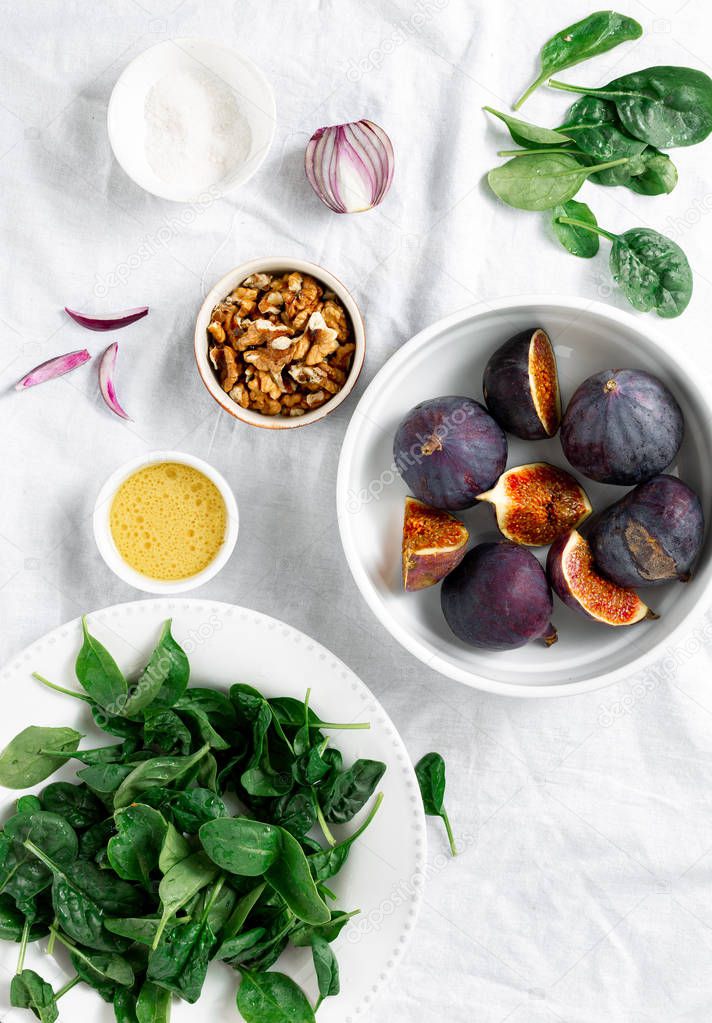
[{"x": 168, "y": 521}]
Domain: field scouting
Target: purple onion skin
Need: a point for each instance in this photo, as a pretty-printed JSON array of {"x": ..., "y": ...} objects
[
  {"x": 448, "y": 450},
  {"x": 651, "y": 536},
  {"x": 507, "y": 390},
  {"x": 498, "y": 598},
  {"x": 622, "y": 426}
]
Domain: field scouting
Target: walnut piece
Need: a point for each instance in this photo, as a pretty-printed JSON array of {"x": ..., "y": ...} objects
[{"x": 280, "y": 344}]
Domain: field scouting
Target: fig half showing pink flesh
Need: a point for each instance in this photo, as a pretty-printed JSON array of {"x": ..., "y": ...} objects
[
  {"x": 521, "y": 386},
  {"x": 536, "y": 503},
  {"x": 434, "y": 543},
  {"x": 576, "y": 582}
]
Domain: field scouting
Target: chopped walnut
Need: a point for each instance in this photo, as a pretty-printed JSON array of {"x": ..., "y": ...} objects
[
  {"x": 335, "y": 317},
  {"x": 225, "y": 362},
  {"x": 322, "y": 340},
  {"x": 286, "y": 339}
]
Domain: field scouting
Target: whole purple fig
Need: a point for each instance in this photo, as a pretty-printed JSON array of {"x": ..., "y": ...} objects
[
  {"x": 651, "y": 536},
  {"x": 448, "y": 450},
  {"x": 521, "y": 386},
  {"x": 498, "y": 598},
  {"x": 622, "y": 426}
]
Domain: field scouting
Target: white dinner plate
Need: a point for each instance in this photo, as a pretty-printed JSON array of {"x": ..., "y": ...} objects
[
  {"x": 384, "y": 874},
  {"x": 449, "y": 358}
]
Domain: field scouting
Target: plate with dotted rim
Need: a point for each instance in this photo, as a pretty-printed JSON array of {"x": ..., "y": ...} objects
[{"x": 384, "y": 875}]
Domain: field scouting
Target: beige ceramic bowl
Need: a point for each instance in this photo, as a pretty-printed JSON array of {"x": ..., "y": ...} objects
[{"x": 230, "y": 281}]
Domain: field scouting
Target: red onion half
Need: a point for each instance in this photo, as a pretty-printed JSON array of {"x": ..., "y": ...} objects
[
  {"x": 112, "y": 321},
  {"x": 350, "y": 166},
  {"x": 53, "y": 368},
  {"x": 106, "y": 381}
]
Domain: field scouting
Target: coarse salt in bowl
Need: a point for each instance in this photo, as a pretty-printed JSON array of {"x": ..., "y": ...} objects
[{"x": 190, "y": 120}]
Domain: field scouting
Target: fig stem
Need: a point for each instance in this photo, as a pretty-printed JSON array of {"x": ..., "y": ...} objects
[{"x": 432, "y": 444}]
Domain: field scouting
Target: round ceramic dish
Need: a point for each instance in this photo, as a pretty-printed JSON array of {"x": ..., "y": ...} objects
[
  {"x": 384, "y": 875},
  {"x": 230, "y": 281},
  {"x": 109, "y": 551},
  {"x": 125, "y": 115},
  {"x": 449, "y": 358}
]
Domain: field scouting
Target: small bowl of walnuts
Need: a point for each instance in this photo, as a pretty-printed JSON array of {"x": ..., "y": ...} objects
[{"x": 279, "y": 343}]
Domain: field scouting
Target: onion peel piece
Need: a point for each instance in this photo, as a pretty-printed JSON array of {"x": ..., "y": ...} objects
[
  {"x": 107, "y": 365},
  {"x": 53, "y": 368},
  {"x": 112, "y": 321}
]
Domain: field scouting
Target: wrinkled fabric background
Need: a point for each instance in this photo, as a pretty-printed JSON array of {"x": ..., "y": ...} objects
[{"x": 584, "y": 889}]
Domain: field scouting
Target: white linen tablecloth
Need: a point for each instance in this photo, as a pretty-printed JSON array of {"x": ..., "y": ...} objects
[{"x": 584, "y": 889}]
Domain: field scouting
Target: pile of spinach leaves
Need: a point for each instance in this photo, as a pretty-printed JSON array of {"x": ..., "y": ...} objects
[
  {"x": 612, "y": 136},
  {"x": 141, "y": 872}
]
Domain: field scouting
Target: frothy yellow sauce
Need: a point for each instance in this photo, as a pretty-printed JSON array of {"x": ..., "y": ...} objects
[{"x": 168, "y": 521}]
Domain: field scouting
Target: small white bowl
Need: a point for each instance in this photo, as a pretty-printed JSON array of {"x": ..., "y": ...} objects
[
  {"x": 109, "y": 551},
  {"x": 230, "y": 281},
  {"x": 125, "y": 114}
]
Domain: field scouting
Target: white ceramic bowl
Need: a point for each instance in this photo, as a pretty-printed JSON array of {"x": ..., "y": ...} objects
[
  {"x": 125, "y": 115},
  {"x": 449, "y": 358},
  {"x": 230, "y": 281},
  {"x": 109, "y": 551}
]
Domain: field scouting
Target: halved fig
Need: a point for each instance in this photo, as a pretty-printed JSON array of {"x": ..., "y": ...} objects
[
  {"x": 536, "y": 503},
  {"x": 576, "y": 582},
  {"x": 433, "y": 544},
  {"x": 521, "y": 386}
]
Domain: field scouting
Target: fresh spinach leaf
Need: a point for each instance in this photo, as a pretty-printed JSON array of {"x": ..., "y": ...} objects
[
  {"x": 240, "y": 913},
  {"x": 99, "y": 675},
  {"x": 105, "y": 779},
  {"x": 135, "y": 849},
  {"x": 652, "y": 271},
  {"x": 430, "y": 772},
  {"x": 290, "y": 876},
  {"x": 577, "y": 240},
  {"x": 234, "y": 948},
  {"x": 593, "y": 35},
  {"x": 195, "y": 807},
  {"x": 125, "y": 1006},
  {"x": 180, "y": 884},
  {"x": 540, "y": 181},
  {"x": 594, "y": 125},
  {"x": 157, "y": 771},
  {"x": 326, "y": 968},
  {"x": 240, "y": 845},
  {"x": 174, "y": 849},
  {"x": 75, "y": 803},
  {"x": 272, "y": 998},
  {"x": 659, "y": 175},
  {"x": 663, "y": 106},
  {"x": 153, "y": 1004},
  {"x": 139, "y": 929},
  {"x": 350, "y": 790},
  {"x": 528, "y": 135},
  {"x": 23, "y": 762},
  {"x": 180, "y": 961},
  {"x": 165, "y": 732},
  {"x": 29, "y": 991},
  {"x": 164, "y": 679}
]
